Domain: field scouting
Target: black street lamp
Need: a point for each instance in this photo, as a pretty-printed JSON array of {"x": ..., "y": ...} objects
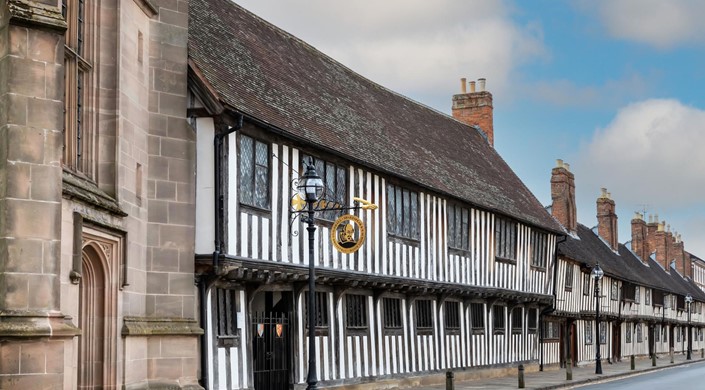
[
  {"x": 688, "y": 301},
  {"x": 305, "y": 203},
  {"x": 311, "y": 188},
  {"x": 597, "y": 275}
]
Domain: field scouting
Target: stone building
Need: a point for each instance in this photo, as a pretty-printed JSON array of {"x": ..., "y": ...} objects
[{"x": 97, "y": 196}]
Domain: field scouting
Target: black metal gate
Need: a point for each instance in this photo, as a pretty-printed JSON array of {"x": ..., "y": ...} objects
[{"x": 270, "y": 350}]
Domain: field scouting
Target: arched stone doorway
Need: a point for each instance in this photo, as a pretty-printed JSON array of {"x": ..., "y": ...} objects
[{"x": 98, "y": 312}]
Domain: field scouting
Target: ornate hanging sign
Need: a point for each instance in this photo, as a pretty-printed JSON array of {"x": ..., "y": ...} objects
[{"x": 347, "y": 233}]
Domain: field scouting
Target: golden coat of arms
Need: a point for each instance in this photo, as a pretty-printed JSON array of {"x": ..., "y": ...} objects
[{"x": 347, "y": 233}]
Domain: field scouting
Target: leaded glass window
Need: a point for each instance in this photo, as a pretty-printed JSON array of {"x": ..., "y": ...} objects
[
  {"x": 614, "y": 294},
  {"x": 424, "y": 315},
  {"x": 628, "y": 333},
  {"x": 458, "y": 227},
  {"x": 551, "y": 331},
  {"x": 392, "y": 313},
  {"x": 539, "y": 249},
  {"x": 402, "y": 212},
  {"x": 517, "y": 320},
  {"x": 569, "y": 276},
  {"x": 477, "y": 317},
  {"x": 254, "y": 172},
  {"x": 452, "y": 315},
  {"x": 336, "y": 188},
  {"x": 639, "y": 336},
  {"x": 603, "y": 333},
  {"x": 637, "y": 294},
  {"x": 533, "y": 320},
  {"x": 588, "y": 332},
  {"x": 356, "y": 311},
  {"x": 505, "y": 238},
  {"x": 498, "y": 318}
]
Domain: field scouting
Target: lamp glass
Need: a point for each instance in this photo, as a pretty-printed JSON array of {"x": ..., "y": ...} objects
[
  {"x": 597, "y": 272},
  {"x": 311, "y": 185},
  {"x": 689, "y": 299}
]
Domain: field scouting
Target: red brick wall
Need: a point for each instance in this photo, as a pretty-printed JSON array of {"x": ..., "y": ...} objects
[
  {"x": 475, "y": 109},
  {"x": 563, "y": 196},
  {"x": 607, "y": 221},
  {"x": 639, "y": 242}
]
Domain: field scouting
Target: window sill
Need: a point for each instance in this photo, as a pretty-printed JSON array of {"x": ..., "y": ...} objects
[
  {"x": 538, "y": 268},
  {"x": 478, "y": 332},
  {"x": 569, "y": 289},
  {"x": 424, "y": 332},
  {"x": 505, "y": 260},
  {"x": 255, "y": 209},
  {"x": 452, "y": 331},
  {"x": 404, "y": 239}
]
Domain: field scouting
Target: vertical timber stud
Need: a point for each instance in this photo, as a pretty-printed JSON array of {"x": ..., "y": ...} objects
[{"x": 520, "y": 378}]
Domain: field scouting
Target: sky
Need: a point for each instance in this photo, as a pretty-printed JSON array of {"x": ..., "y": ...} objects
[{"x": 612, "y": 87}]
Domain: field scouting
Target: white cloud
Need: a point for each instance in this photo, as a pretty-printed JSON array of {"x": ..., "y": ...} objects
[
  {"x": 651, "y": 155},
  {"x": 651, "y": 149},
  {"x": 663, "y": 24},
  {"x": 416, "y": 47}
]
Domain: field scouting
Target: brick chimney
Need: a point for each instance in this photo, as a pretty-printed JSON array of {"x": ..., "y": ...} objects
[
  {"x": 607, "y": 219},
  {"x": 680, "y": 256},
  {"x": 688, "y": 261},
  {"x": 651, "y": 229},
  {"x": 563, "y": 196},
  {"x": 475, "y": 107},
  {"x": 660, "y": 240},
  {"x": 639, "y": 238}
]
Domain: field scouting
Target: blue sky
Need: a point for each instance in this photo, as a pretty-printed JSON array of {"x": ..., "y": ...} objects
[{"x": 613, "y": 87}]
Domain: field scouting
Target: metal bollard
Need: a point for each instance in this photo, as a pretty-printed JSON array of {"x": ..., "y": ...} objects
[
  {"x": 671, "y": 352},
  {"x": 631, "y": 361},
  {"x": 449, "y": 380},
  {"x": 569, "y": 370},
  {"x": 653, "y": 359},
  {"x": 521, "y": 376},
  {"x": 702, "y": 353}
]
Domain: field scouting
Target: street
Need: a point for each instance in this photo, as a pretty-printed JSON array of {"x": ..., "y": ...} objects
[{"x": 686, "y": 377}]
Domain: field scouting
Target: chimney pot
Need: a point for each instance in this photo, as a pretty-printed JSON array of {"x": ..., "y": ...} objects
[
  {"x": 463, "y": 85},
  {"x": 481, "y": 83},
  {"x": 603, "y": 193},
  {"x": 566, "y": 166},
  {"x": 472, "y": 87},
  {"x": 559, "y": 163}
]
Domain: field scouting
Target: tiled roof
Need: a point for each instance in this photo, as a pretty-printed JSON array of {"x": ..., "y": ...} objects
[
  {"x": 589, "y": 248},
  {"x": 267, "y": 74}
]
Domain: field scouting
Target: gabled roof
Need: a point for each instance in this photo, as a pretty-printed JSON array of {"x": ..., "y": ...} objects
[
  {"x": 624, "y": 265},
  {"x": 271, "y": 76}
]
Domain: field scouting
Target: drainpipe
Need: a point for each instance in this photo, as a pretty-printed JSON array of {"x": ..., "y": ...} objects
[
  {"x": 218, "y": 192},
  {"x": 206, "y": 281},
  {"x": 552, "y": 308}
]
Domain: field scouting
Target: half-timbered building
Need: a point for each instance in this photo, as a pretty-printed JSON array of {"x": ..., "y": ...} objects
[
  {"x": 458, "y": 261},
  {"x": 642, "y": 296}
]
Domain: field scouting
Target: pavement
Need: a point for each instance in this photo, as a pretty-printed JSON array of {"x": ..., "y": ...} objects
[{"x": 555, "y": 378}]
